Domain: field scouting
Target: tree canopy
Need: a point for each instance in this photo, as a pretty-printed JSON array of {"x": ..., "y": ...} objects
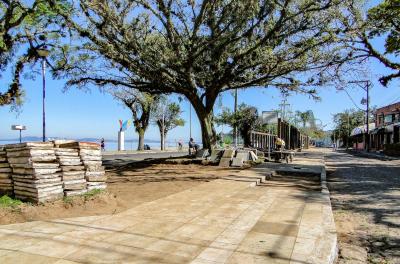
[
  {"x": 166, "y": 115},
  {"x": 245, "y": 119},
  {"x": 141, "y": 106},
  {"x": 346, "y": 121},
  {"x": 381, "y": 21},
  {"x": 202, "y": 48},
  {"x": 25, "y": 29},
  {"x": 306, "y": 117}
]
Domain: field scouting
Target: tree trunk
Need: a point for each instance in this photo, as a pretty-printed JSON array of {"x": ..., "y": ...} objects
[
  {"x": 205, "y": 115},
  {"x": 161, "y": 141},
  {"x": 208, "y": 134},
  {"x": 141, "y": 140}
]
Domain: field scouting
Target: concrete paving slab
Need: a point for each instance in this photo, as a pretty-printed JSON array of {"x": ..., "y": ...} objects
[
  {"x": 225, "y": 162},
  {"x": 221, "y": 221}
]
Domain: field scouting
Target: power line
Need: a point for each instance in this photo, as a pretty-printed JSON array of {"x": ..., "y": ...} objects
[{"x": 352, "y": 100}]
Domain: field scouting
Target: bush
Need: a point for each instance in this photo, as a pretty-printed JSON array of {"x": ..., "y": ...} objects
[
  {"x": 392, "y": 149},
  {"x": 228, "y": 140}
]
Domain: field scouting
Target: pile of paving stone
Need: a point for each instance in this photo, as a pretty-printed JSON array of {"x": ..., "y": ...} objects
[
  {"x": 90, "y": 155},
  {"x": 72, "y": 169},
  {"x": 232, "y": 158},
  {"x": 6, "y": 184},
  {"x": 35, "y": 171}
]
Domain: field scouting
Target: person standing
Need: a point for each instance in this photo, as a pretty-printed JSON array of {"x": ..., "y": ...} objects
[
  {"x": 103, "y": 144},
  {"x": 180, "y": 144}
]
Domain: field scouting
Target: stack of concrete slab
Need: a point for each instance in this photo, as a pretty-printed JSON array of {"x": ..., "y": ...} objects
[
  {"x": 6, "y": 184},
  {"x": 241, "y": 157},
  {"x": 215, "y": 155},
  {"x": 35, "y": 171},
  {"x": 72, "y": 170},
  {"x": 90, "y": 155},
  {"x": 226, "y": 158}
]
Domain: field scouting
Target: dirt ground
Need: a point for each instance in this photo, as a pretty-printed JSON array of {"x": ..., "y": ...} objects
[
  {"x": 365, "y": 196},
  {"x": 128, "y": 186}
]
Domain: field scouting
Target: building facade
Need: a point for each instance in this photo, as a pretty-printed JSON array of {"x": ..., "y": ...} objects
[{"x": 387, "y": 126}]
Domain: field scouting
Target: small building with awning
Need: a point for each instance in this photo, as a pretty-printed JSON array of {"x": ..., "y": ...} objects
[{"x": 359, "y": 135}]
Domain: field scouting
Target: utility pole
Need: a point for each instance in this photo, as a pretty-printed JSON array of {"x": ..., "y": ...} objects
[
  {"x": 283, "y": 114},
  {"x": 283, "y": 106},
  {"x": 367, "y": 141},
  {"x": 348, "y": 130},
  {"x": 365, "y": 85},
  {"x": 163, "y": 130}
]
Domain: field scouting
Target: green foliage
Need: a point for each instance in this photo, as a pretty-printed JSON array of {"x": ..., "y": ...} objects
[
  {"x": 68, "y": 200},
  {"x": 227, "y": 140},
  {"x": 245, "y": 119},
  {"x": 25, "y": 28},
  {"x": 384, "y": 20},
  {"x": 267, "y": 128},
  {"x": 346, "y": 121},
  {"x": 92, "y": 193},
  {"x": 201, "y": 48},
  {"x": 166, "y": 115},
  {"x": 140, "y": 104},
  {"x": 6, "y": 201},
  {"x": 306, "y": 117}
]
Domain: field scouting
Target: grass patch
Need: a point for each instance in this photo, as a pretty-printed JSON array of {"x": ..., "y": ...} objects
[
  {"x": 68, "y": 200},
  {"x": 92, "y": 193},
  {"x": 6, "y": 201}
]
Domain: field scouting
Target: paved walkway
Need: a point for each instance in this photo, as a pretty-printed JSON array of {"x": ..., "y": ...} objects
[{"x": 286, "y": 220}]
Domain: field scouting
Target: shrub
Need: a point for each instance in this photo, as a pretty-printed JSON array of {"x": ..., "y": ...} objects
[{"x": 6, "y": 201}]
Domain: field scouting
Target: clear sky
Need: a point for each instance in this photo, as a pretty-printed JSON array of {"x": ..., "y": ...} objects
[{"x": 76, "y": 113}]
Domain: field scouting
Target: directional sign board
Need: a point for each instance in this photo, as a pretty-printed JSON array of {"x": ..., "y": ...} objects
[
  {"x": 269, "y": 117},
  {"x": 18, "y": 127}
]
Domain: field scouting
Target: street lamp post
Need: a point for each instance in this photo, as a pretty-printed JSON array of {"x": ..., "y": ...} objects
[
  {"x": 43, "y": 53},
  {"x": 190, "y": 120}
]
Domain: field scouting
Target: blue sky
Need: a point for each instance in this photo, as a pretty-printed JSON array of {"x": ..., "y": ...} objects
[{"x": 76, "y": 113}]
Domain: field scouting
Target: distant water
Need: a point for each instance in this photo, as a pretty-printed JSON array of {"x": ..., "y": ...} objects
[{"x": 112, "y": 145}]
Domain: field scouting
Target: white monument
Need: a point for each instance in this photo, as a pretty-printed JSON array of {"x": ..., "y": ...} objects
[{"x": 121, "y": 140}]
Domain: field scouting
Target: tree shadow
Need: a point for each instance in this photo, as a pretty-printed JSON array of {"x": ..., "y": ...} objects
[{"x": 365, "y": 186}]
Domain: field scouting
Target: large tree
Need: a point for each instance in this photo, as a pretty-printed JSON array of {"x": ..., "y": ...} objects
[
  {"x": 166, "y": 115},
  {"x": 245, "y": 119},
  {"x": 25, "y": 29},
  {"x": 346, "y": 121},
  {"x": 306, "y": 117},
  {"x": 201, "y": 48},
  {"x": 141, "y": 106}
]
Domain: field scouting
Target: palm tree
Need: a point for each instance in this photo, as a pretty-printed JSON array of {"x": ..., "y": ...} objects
[{"x": 306, "y": 117}]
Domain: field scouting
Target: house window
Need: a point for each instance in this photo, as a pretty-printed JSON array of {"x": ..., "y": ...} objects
[
  {"x": 388, "y": 118},
  {"x": 380, "y": 119},
  {"x": 397, "y": 117}
]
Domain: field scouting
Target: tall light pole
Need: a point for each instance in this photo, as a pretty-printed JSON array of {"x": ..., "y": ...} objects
[
  {"x": 43, "y": 53},
  {"x": 190, "y": 120},
  {"x": 235, "y": 128},
  {"x": 365, "y": 85}
]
